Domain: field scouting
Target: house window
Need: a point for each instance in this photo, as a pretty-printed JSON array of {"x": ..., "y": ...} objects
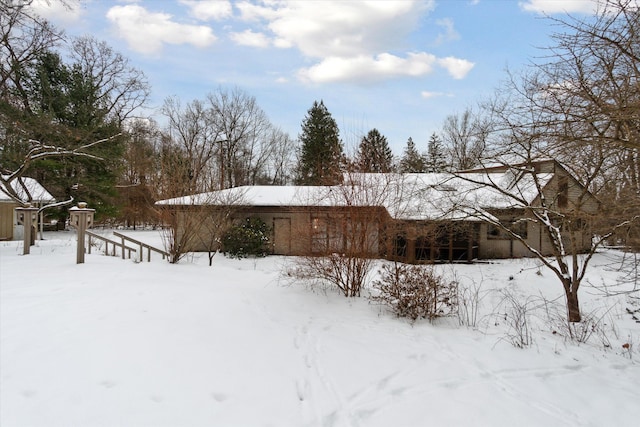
[
  {"x": 360, "y": 236},
  {"x": 326, "y": 234},
  {"x": 569, "y": 223},
  {"x": 423, "y": 248},
  {"x": 319, "y": 235},
  {"x": 400, "y": 246},
  {"x": 563, "y": 192},
  {"x": 517, "y": 226}
]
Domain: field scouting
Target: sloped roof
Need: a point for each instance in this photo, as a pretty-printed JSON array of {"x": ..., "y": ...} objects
[
  {"x": 38, "y": 192},
  {"x": 418, "y": 196}
]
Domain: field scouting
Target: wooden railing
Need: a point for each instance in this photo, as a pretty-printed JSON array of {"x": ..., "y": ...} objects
[
  {"x": 142, "y": 246},
  {"x": 93, "y": 236}
]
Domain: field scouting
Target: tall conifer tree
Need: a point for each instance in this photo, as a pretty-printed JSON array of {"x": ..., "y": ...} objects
[
  {"x": 321, "y": 156},
  {"x": 411, "y": 160},
  {"x": 436, "y": 155},
  {"x": 374, "y": 154}
]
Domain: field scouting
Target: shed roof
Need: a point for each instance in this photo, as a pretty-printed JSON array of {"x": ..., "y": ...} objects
[{"x": 28, "y": 187}]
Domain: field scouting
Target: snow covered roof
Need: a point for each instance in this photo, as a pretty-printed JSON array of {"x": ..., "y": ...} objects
[
  {"x": 258, "y": 195},
  {"x": 418, "y": 196},
  {"x": 30, "y": 189}
]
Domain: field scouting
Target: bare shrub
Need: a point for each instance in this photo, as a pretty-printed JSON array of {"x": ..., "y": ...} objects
[
  {"x": 295, "y": 273},
  {"x": 516, "y": 315},
  {"x": 179, "y": 231},
  {"x": 593, "y": 324},
  {"x": 416, "y": 291},
  {"x": 348, "y": 273},
  {"x": 469, "y": 298}
]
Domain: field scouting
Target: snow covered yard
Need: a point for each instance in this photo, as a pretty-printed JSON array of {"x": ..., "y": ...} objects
[{"x": 119, "y": 343}]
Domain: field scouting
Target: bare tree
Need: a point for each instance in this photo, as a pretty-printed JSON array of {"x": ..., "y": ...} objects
[
  {"x": 246, "y": 139},
  {"x": 581, "y": 106},
  {"x": 119, "y": 88},
  {"x": 139, "y": 178},
  {"x": 597, "y": 120},
  {"x": 191, "y": 144},
  {"x": 280, "y": 161},
  {"x": 23, "y": 37},
  {"x": 552, "y": 202},
  {"x": 465, "y": 136},
  {"x": 227, "y": 141}
]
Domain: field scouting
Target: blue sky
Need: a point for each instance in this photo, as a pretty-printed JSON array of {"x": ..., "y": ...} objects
[{"x": 400, "y": 66}]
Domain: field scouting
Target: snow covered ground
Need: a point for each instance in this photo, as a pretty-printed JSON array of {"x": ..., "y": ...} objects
[{"x": 117, "y": 343}]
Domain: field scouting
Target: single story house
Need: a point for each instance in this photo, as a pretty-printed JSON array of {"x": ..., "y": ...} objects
[
  {"x": 417, "y": 217},
  {"x": 27, "y": 189}
]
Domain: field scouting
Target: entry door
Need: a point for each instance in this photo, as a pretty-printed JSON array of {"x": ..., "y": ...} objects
[{"x": 282, "y": 236}]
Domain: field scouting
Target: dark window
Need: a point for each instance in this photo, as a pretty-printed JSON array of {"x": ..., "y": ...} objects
[
  {"x": 518, "y": 226},
  {"x": 563, "y": 192},
  {"x": 400, "y": 246},
  {"x": 423, "y": 248},
  {"x": 326, "y": 234}
]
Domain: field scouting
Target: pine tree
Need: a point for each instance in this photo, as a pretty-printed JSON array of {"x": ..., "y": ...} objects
[
  {"x": 411, "y": 160},
  {"x": 436, "y": 156},
  {"x": 321, "y": 156},
  {"x": 66, "y": 104},
  {"x": 374, "y": 154}
]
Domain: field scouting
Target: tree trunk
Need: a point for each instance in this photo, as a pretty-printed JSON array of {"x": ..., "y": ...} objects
[{"x": 573, "y": 307}]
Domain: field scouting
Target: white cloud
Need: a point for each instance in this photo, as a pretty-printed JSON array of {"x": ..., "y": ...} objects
[
  {"x": 559, "y": 6},
  {"x": 368, "y": 69},
  {"x": 351, "y": 41},
  {"x": 427, "y": 94},
  {"x": 250, "y": 38},
  {"x": 457, "y": 68},
  {"x": 206, "y": 10},
  {"x": 58, "y": 12},
  {"x": 449, "y": 34},
  {"x": 146, "y": 32},
  {"x": 253, "y": 12},
  {"x": 322, "y": 29}
]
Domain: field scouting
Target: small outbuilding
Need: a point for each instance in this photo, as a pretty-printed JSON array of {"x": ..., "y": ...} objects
[{"x": 27, "y": 189}]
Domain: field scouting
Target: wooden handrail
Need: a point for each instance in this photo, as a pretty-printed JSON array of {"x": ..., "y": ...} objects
[
  {"x": 91, "y": 235},
  {"x": 142, "y": 246}
]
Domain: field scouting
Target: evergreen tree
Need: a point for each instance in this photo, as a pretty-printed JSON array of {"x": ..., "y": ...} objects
[
  {"x": 66, "y": 105},
  {"x": 321, "y": 156},
  {"x": 411, "y": 160},
  {"x": 436, "y": 155},
  {"x": 374, "y": 154}
]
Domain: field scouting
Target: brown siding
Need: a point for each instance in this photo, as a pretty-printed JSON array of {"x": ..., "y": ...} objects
[
  {"x": 6, "y": 220},
  {"x": 292, "y": 227}
]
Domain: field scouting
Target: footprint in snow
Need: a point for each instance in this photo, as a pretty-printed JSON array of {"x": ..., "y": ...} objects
[
  {"x": 219, "y": 397},
  {"x": 29, "y": 393}
]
